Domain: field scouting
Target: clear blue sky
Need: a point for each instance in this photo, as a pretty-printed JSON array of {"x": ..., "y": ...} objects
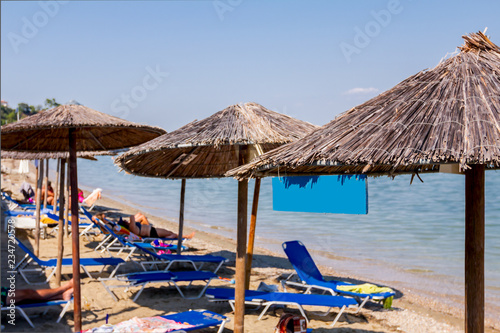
[{"x": 166, "y": 63}]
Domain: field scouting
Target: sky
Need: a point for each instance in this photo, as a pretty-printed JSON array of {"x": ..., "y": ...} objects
[{"x": 167, "y": 63}]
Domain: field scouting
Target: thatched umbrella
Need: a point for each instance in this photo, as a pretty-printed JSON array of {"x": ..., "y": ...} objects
[
  {"x": 27, "y": 155},
  {"x": 443, "y": 119},
  {"x": 209, "y": 148},
  {"x": 74, "y": 128},
  {"x": 60, "y": 178}
]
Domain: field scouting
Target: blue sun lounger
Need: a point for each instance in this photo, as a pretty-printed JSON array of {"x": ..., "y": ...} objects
[
  {"x": 51, "y": 264},
  {"x": 22, "y": 307},
  {"x": 199, "y": 319},
  {"x": 196, "y": 319},
  {"x": 311, "y": 278},
  {"x": 267, "y": 299},
  {"x": 123, "y": 244},
  {"x": 117, "y": 242},
  {"x": 16, "y": 204},
  {"x": 143, "y": 278},
  {"x": 13, "y": 214},
  {"x": 170, "y": 259}
]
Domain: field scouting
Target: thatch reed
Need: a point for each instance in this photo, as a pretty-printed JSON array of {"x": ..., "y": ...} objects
[
  {"x": 73, "y": 128},
  {"x": 209, "y": 147},
  {"x": 446, "y": 115},
  {"x": 25, "y": 155},
  {"x": 48, "y": 131}
]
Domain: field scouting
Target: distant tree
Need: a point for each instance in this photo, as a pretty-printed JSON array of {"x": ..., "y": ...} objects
[
  {"x": 24, "y": 108},
  {"x": 51, "y": 103},
  {"x": 9, "y": 114}
]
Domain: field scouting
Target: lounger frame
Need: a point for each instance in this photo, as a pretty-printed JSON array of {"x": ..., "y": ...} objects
[
  {"x": 262, "y": 302},
  {"x": 171, "y": 281},
  {"x": 221, "y": 319},
  {"x": 20, "y": 308},
  {"x": 43, "y": 268},
  {"x": 169, "y": 260},
  {"x": 311, "y": 285}
]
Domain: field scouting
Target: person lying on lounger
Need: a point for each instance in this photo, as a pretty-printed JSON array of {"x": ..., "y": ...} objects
[
  {"x": 32, "y": 296},
  {"x": 140, "y": 226}
]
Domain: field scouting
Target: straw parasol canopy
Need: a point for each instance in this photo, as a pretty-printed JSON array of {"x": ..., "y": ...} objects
[
  {"x": 209, "y": 148},
  {"x": 443, "y": 119},
  {"x": 93, "y": 130},
  {"x": 26, "y": 155},
  {"x": 446, "y": 115},
  {"x": 72, "y": 128}
]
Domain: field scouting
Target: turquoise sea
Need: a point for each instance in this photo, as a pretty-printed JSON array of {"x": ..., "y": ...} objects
[{"x": 413, "y": 235}]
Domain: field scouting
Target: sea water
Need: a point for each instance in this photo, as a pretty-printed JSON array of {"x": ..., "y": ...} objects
[{"x": 413, "y": 234}]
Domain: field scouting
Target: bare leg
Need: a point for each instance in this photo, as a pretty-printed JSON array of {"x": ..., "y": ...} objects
[
  {"x": 63, "y": 292},
  {"x": 164, "y": 233},
  {"x": 191, "y": 235}
]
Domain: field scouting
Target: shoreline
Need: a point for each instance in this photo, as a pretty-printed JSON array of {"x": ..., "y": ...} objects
[{"x": 414, "y": 312}]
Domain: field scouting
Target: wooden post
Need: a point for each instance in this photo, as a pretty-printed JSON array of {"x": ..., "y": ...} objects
[
  {"x": 251, "y": 233},
  {"x": 74, "y": 231},
  {"x": 241, "y": 238},
  {"x": 474, "y": 249},
  {"x": 66, "y": 203},
  {"x": 46, "y": 183},
  {"x": 56, "y": 188},
  {"x": 181, "y": 217},
  {"x": 60, "y": 234},
  {"x": 38, "y": 204}
]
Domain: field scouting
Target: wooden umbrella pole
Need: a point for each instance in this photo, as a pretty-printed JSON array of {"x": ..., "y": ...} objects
[
  {"x": 474, "y": 249},
  {"x": 241, "y": 238},
  {"x": 181, "y": 217},
  {"x": 46, "y": 183},
  {"x": 56, "y": 188},
  {"x": 66, "y": 204},
  {"x": 38, "y": 204},
  {"x": 251, "y": 233},
  {"x": 74, "y": 231},
  {"x": 60, "y": 234}
]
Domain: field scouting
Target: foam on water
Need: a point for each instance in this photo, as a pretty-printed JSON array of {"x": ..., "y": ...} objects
[{"x": 413, "y": 234}]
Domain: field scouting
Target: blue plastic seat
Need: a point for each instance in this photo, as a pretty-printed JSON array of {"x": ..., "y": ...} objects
[
  {"x": 51, "y": 263},
  {"x": 22, "y": 307},
  {"x": 267, "y": 299},
  {"x": 170, "y": 259},
  {"x": 311, "y": 278},
  {"x": 144, "y": 278},
  {"x": 194, "y": 319}
]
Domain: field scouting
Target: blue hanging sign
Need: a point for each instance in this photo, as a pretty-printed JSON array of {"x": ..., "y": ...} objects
[{"x": 345, "y": 194}]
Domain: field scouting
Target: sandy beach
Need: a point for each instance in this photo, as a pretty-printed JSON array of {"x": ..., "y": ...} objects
[{"x": 411, "y": 312}]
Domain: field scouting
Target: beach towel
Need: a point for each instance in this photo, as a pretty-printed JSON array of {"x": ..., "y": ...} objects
[
  {"x": 24, "y": 167},
  {"x": 365, "y": 288},
  {"x": 368, "y": 288},
  {"x": 150, "y": 324},
  {"x": 159, "y": 243},
  {"x": 93, "y": 197}
]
